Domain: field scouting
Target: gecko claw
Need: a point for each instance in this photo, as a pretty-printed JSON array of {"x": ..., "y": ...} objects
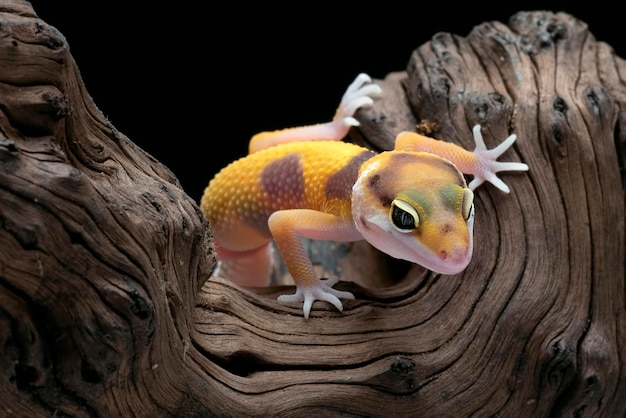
[{"x": 350, "y": 121}]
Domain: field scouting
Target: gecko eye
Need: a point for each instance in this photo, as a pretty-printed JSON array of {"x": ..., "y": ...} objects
[
  {"x": 403, "y": 216},
  {"x": 468, "y": 203}
]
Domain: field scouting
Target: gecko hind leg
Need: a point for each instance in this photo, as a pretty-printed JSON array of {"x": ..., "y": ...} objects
[
  {"x": 252, "y": 268},
  {"x": 358, "y": 94}
]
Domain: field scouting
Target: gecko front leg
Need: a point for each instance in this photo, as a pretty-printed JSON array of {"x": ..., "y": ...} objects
[
  {"x": 287, "y": 226},
  {"x": 482, "y": 163}
]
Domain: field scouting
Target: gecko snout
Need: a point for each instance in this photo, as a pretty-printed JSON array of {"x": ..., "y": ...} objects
[{"x": 459, "y": 254}]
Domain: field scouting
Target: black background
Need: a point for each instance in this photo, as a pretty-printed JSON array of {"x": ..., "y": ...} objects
[{"x": 191, "y": 83}]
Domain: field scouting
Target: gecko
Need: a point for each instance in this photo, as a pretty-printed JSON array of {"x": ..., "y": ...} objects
[{"x": 412, "y": 202}]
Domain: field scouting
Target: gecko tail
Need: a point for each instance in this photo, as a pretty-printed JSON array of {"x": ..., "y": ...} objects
[{"x": 247, "y": 269}]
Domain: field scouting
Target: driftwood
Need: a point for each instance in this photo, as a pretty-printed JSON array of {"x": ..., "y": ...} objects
[{"x": 105, "y": 307}]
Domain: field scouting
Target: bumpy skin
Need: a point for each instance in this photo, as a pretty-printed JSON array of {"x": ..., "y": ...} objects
[
  {"x": 411, "y": 203},
  {"x": 297, "y": 175}
]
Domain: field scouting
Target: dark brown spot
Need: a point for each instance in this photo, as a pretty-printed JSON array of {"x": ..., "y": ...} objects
[
  {"x": 446, "y": 228},
  {"x": 339, "y": 185},
  {"x": 373, "y": 180},
  {"x": 378, "y": 185},
  {"x": 283, "y": 178}
]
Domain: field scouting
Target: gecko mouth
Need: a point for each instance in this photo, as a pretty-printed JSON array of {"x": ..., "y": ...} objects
[
  {"x": 448, "y": 260},
  {"x": 445, "y": 261}
]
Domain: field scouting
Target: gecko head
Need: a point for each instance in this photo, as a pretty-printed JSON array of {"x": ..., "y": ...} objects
[{"x": 422, "y": 212}]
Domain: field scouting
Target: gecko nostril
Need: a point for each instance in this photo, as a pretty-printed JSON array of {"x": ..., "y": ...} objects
[{"x": 455, "y": 254}]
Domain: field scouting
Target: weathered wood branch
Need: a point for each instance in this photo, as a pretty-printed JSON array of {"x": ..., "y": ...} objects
[{"x": 105, "y": 307}]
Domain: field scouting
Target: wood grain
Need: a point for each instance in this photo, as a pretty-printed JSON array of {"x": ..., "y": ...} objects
[{"x": 105, "y": 306}]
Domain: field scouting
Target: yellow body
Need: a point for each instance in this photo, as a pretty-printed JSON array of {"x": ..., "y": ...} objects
[
  {"x": 411, "y": 202},
  {"x": 297, "y": 175}
]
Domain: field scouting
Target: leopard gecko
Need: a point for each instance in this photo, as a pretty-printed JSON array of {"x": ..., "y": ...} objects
[{"x": 411, "y": 202}]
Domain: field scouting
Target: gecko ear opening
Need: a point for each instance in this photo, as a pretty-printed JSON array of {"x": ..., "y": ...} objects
[
  {"x": 468, "y": 203},
  {"x": 403, "y": 216}
]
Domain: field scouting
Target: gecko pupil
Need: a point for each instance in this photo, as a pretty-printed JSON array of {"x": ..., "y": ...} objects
[{"x": 402, "y": 219}]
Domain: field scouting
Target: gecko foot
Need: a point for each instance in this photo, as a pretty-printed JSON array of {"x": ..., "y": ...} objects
[
  {"x": 487, "y": 166},
  {"x": 358, "y": 94},
  {"x": 321, "y": 290}
]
